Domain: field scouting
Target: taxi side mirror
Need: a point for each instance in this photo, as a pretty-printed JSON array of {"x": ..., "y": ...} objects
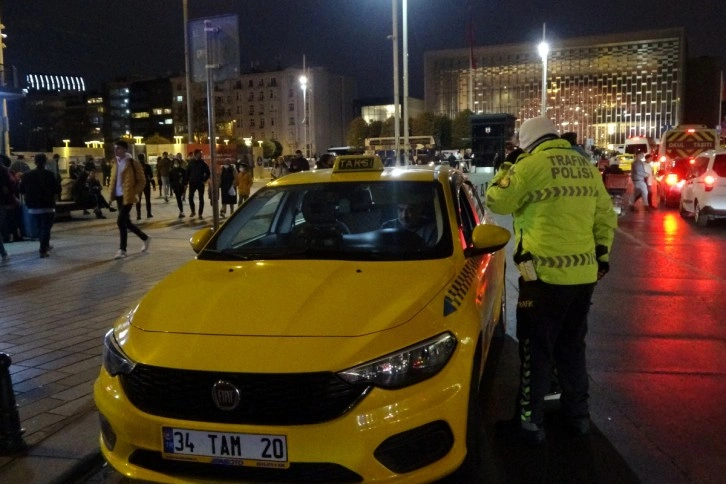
[
  {"x": 488, "y": 238},
  {"x": 200, "y": 238}
]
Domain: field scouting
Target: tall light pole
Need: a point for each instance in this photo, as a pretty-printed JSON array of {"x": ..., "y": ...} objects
[
  {"x": 406, "y": 144},
  {"x": 543, "y": 48},
  {"x": 304, "y": 87},
  {"x": 187, "y": 63},
  {"x": 396, "y": 95}
]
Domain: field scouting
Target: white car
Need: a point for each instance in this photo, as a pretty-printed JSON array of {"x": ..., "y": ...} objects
[{"x": 703, "y": 196}]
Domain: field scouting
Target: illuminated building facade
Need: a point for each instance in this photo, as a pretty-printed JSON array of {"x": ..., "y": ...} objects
[
  {"x": 268, "y": 105},
  {"x": 604, "y": 88}
]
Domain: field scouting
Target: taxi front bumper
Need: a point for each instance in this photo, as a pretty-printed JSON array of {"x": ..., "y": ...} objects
[{"x": 419, "y": 431}]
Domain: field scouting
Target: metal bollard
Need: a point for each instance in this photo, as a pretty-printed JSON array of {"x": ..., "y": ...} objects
[{"x": 11, "y": 435}]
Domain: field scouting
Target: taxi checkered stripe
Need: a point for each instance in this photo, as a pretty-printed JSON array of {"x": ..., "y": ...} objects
[
  {"x": 560, "y": 261},
  {"x": 462, "y": 283},
  {"x": 572, "y": 191}
]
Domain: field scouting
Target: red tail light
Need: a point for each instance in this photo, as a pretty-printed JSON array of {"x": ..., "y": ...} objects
[
  {"x": 671, "y": 179},
  {"x": 709, "y": 181}
]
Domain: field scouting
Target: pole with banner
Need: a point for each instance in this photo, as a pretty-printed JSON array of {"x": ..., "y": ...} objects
[{"x": 215, "y": 50}]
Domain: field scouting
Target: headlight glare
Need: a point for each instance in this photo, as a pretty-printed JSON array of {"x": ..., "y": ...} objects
[
  {"x": 406, "y": 367},
  {"x": 114, "y": 360}
]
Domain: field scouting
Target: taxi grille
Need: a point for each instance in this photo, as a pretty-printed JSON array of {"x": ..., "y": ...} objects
[
  {"x": 297, "y": 472},
  {"x": 265, "y": 399}
]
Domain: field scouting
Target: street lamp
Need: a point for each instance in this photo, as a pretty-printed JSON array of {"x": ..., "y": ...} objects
[
  {"x": 304, "y": 87},
  {"x": 544, "y": 48}
]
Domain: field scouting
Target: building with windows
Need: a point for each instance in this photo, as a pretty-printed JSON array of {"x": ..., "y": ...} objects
[
  {"x": 380, "y": 109},
  {"x": 55, "y": 108},
  {"x": 139, "y": 108},
  {"x": 604, "y": 88},
  {"x": 270, "y": 106}
]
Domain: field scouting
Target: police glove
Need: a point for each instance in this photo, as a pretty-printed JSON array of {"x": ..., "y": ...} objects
[
  {"x": 502, "y": 173},
  {"x": 602, "y": 269}
]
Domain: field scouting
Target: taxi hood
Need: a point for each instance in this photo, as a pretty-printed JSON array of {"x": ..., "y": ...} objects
[{"x": 291, "y": 298}]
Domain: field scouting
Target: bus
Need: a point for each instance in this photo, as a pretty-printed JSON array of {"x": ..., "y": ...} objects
[
  {"x": 385, "y": 147},
  {"x": 345, "y": 150}
]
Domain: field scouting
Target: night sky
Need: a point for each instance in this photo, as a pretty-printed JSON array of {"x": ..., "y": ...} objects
[{"x": 103, "y": 39}]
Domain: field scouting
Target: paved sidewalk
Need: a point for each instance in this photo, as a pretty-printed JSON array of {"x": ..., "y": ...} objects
[{"x": 53, "y": 315}]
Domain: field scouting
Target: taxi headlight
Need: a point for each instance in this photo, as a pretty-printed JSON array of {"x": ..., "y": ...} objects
[
  {"x": 406, "y": 367},
  {"x": 114, "y": 360}
]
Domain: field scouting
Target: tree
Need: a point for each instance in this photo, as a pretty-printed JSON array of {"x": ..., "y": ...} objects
[
  {"x": 268, "y": 149},
  {"x": 388, "y": 128},
  {"x": 374, "y": 129},
  {"x": 357, "y": 132},
  {"x": 278, "y": 148},
  {"x": 442, "y": 130},
  {"x": 423, "y": 125},
  {"x": 461, "y": 130}
]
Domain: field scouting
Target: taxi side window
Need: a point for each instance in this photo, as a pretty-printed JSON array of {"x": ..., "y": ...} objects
[{"x": 468, "y": 219}]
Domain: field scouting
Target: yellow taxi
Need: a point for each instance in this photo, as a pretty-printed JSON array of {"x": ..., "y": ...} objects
[
  {"x": 625, "y": 161},
  {"x": 334, "y": 329}
]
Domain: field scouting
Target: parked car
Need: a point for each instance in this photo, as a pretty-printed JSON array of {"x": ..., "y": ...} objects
[
  {"x": 703, "y": 196},
  {"x": 324, "y": 332},
  {"x": 671, "y": 180}
]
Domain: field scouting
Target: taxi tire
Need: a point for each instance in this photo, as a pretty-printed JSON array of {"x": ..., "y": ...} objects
[{"x": 471, "y": 467}]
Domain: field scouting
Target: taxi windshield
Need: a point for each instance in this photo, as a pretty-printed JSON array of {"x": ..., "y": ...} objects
[{"x": 388, "y": 220}]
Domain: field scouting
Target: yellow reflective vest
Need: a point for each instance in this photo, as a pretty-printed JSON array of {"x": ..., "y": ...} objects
[{"x": 561, "y": 211}]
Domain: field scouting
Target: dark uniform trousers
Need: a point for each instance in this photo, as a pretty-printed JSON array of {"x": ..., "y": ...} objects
[{"x": 551, "y": 328}]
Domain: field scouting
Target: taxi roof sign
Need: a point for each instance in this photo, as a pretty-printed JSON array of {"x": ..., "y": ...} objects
[{"x": 351, "y": 163}]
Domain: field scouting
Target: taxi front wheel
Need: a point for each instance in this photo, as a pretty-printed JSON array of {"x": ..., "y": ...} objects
[{"x": 474, "y": 433}]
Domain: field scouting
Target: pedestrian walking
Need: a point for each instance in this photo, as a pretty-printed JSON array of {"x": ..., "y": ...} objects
[
  {"x": 127, "y": 184},
  {"x": 227, "y": 187},
  {"x": 564, "y": 225},
  {"x": 244, "y": 182},
  {"x": 178, "y": 182},
  {"x": 149, "y": 177},
  {"x": 163, "y": 167},
  {"x": 638, "y": 174},
  {"x": 299, "y": 163},
  {"x": 197, "y": 175},
  {"x": 8, "y": 201},
  {"x": 40, "y": 189}
]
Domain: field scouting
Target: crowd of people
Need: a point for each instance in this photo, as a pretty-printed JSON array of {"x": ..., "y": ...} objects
[{"x": 28, "y": 197}]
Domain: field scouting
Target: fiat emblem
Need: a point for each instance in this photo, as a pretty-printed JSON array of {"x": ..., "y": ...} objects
[{"x": 225, "y": 395}]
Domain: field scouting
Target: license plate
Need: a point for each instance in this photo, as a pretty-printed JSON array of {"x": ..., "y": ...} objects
[{"x": 256, "y": 450}]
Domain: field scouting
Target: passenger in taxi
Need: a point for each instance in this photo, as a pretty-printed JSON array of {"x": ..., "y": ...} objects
[{"x": 411, "y": 217}]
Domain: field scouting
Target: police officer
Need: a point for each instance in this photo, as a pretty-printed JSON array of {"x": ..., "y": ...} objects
[{"x": 564, "y": 225}]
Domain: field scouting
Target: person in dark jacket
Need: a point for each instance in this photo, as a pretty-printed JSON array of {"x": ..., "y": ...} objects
[
  {"x": 178, "y": 183},
  {"x": 227, "y": 186},
  {"x": 197, "y": 175},
  {"x": 41, "y": 189},
  {"x": 149, "y": 175}
]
